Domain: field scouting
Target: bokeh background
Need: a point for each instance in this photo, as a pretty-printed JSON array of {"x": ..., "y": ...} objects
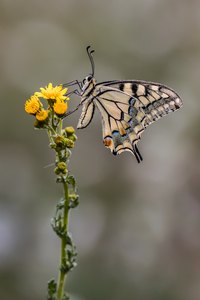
[{"x": 137, "y": 228}]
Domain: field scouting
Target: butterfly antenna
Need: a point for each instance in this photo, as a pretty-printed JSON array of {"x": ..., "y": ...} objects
[{"x": 90, "y": 52}]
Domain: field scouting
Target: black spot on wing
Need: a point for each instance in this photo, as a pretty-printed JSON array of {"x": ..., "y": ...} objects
[
  {"x": 134, "y": 88},
  {"x": 121, "y": 86},
  {"x": 122, "y": 115},
  {"x": 177, "y": 106}
]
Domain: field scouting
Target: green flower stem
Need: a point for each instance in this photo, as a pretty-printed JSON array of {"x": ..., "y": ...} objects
[
  {"x": 63, "y": 258},
  {"x": 60, "y": 126},
  {"x": 58, "y": 138},
  {"x": 63, "y": 253}
]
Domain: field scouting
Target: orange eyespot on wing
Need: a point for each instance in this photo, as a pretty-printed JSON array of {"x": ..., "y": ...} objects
[{"x": 107, "y": 141}]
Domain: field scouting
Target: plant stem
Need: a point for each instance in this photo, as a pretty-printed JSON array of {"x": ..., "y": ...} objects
[
  {"x": 63, "y": 258},
  {"x": 60, "y": 225}
]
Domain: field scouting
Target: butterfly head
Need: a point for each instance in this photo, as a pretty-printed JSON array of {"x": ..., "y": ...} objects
[{"x": 88, "y": 83}]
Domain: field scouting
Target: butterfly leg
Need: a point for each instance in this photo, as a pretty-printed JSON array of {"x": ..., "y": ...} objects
[
  {"x": 72, "y": 111},
  {"x": 74, "y": 92},
  {"x": 73, "y": 82}
]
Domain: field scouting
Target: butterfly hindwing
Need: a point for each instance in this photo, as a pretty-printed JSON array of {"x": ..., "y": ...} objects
[{"x": 122, "y": 119}]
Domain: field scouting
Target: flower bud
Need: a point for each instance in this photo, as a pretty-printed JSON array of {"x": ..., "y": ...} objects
[
  {"x": 60, "y": 142},
  {"x": 61, "y": 168},
  {"x": 69, "y": 130},
  {"x": 69, "y": 143},
  {"x": 73, "y": 137}
]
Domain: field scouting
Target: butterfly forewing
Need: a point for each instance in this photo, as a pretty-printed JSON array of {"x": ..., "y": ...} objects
[{"x": 155, "y": 99}]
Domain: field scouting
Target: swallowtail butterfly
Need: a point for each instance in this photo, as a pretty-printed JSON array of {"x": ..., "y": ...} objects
[{"x": 127, "y": 107}]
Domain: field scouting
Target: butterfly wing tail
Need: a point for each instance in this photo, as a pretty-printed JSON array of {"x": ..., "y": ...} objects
[
  {"x": 135, "y": 151},
  {"x": 117, "y": 144},
  {"x": 137, "y": 154}
]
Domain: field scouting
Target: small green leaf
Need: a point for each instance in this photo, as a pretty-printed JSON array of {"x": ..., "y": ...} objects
[
  {"x": 71, "y": 180},
  {"x": 65, "y": 297},
  {"x": 52, "y": 287}
]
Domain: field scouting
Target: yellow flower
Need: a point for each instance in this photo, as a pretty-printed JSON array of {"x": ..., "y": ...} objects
[
  {"x": 42, "y": 115},
  {"x": 60, "y": 92},
  {"x": 60, "y": 107},
  {"x": 53, "y": 93},
  {"x": 33, "y": 105}
]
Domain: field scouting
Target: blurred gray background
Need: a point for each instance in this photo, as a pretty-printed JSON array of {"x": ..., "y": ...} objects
[{"x": 137, "y": 228}]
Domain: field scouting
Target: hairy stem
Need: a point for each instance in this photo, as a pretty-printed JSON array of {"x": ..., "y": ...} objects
[
  {"x": 57, "y": 139},
  {"x": 63, "y": 258}
]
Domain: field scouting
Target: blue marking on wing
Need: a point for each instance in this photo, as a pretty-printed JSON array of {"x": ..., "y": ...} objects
[{"x": 132, "y": 100}]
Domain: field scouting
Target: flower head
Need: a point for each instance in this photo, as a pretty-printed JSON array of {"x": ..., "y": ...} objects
[
  {"x": 53, "y": 93},
  {"x": 60, "y": 107},
  {"x": 42, "y": 115},
  {"x": 33, "y": 105}
]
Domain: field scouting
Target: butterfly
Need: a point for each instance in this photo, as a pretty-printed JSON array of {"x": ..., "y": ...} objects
[{"x": 127, "y": 107}]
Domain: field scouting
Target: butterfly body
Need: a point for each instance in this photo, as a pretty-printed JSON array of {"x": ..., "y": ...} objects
[{"x": 127, "y": 107}]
